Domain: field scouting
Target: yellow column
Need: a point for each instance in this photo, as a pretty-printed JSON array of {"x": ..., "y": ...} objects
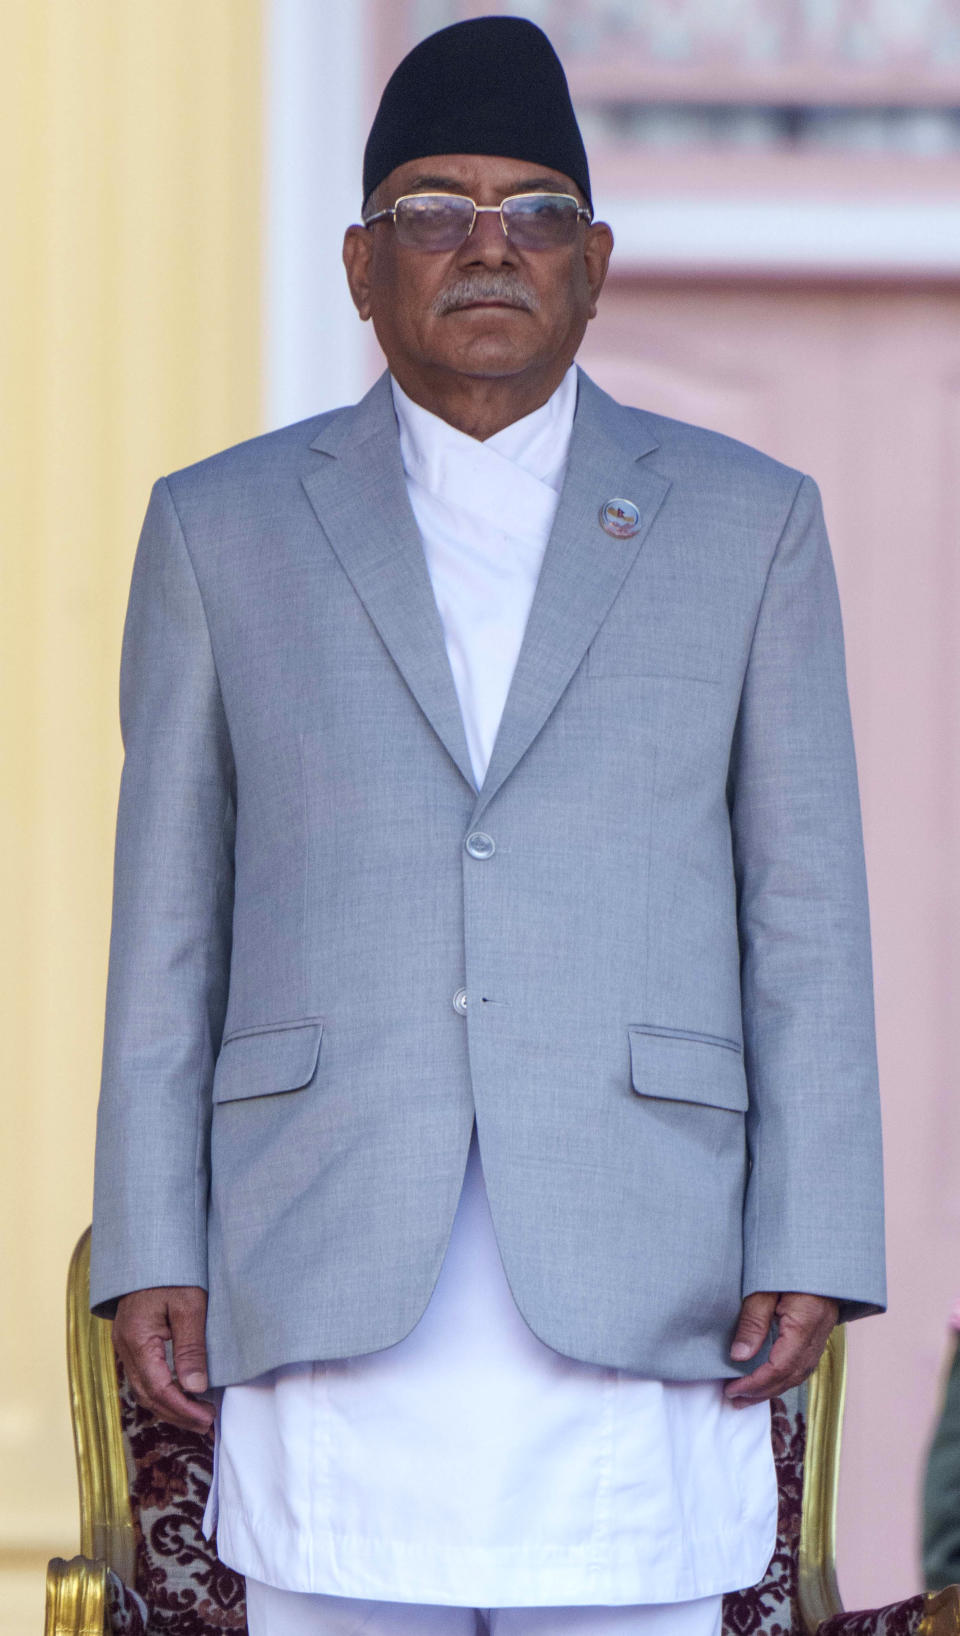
[{"x": 130, "y": 147}]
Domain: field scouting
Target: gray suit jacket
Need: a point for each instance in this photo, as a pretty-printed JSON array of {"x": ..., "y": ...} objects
[{"x": 667, "y": 1035}]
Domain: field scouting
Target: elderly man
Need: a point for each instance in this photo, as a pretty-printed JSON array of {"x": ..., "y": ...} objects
[{"x": 489, "y": 1029}]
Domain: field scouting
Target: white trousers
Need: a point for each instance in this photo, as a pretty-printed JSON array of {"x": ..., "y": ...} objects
[{"x": 272, "y": 1612}]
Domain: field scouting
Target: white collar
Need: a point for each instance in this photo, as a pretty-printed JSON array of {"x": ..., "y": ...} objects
[{"x": 538, "y": 443}]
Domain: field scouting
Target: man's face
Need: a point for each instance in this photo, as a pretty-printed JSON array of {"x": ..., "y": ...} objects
[{"x": 486, "y": 310}]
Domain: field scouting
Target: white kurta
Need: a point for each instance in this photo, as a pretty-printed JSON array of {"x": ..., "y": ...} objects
[{"x": 471, "y": 1464}]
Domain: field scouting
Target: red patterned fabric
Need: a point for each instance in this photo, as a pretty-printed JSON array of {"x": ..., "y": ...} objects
[
  {"x": 186, "y": 1588},
  {"x": 770, "y": 1608},
  {"x": 126, "y": 1611},
  {"x": 899, "y": 1619}
]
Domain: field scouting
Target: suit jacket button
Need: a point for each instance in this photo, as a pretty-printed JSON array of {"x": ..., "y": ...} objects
[
  {"x": 480, "y": 845},
  {"x": 460, "y": 1002}
]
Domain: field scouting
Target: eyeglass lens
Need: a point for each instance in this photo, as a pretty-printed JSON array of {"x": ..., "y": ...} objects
[{"x": 533, "y": 221}]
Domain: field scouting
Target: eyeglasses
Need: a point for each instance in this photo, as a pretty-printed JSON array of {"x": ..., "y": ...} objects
[{"x": 443, "y": 221}]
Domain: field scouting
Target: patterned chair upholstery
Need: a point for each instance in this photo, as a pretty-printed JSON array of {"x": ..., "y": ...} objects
[{"x": 146, "y": 1569}]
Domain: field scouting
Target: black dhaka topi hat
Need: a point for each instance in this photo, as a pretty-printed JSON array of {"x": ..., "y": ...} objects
[{"x": 493, "y": 85}]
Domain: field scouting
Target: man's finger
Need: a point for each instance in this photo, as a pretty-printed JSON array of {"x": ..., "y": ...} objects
[
  {"x": 183, "y": 1411},
  {"x": 157, "y": 1390},
  {"x": 164, "y": 1396},
  {"x": 753, "y": 1325},
  {"x": 148, "y": 1366},
  {"x": 769, "y": 1380}
]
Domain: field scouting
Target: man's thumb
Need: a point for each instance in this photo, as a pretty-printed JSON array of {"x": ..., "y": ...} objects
[
  {"x": 756, "y": 1316},
  {"x": 187, "y": 1325}
]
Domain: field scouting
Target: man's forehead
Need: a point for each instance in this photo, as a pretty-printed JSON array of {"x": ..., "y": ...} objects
[{"x": 465, "y": 173}]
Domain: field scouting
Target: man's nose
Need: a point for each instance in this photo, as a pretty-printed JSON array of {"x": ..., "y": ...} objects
[{"x": 488, "y": 244}]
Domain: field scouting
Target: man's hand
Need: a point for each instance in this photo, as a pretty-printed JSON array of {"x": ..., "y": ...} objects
[
  {"x": 804, "y": 1321},
  {"x": 145, "y": 1319}
]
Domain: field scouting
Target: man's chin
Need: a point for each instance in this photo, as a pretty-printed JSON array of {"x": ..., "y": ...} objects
[
  {"x": 488, "y": 364},
  {"x": 488, "y": 349}
]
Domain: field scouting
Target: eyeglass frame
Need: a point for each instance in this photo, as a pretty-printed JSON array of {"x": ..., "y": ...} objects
[{"x": 478, "y": 210}]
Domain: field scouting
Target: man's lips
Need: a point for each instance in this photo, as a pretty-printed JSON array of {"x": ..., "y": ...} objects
[{"x": 488, "y": 301}]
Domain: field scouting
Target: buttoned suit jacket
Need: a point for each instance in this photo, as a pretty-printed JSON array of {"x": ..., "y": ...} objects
[{"x": 667, "y": 1038}]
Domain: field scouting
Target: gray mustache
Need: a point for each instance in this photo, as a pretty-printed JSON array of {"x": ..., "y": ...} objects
[{"x": 486, "y": 287}]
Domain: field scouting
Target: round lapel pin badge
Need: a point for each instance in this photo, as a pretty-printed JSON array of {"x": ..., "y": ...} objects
[{"x": 619, "y": 518}]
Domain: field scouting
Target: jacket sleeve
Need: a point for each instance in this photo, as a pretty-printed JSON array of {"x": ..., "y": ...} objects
[
  {"x": 813, "y": 1210},
  {"x": 170, "y": 938}
]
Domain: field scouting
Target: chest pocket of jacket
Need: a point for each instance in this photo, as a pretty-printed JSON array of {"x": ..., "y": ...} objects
[
  {"x": 262, "y": 1061},
  {"x": 683, "y": 1066}
]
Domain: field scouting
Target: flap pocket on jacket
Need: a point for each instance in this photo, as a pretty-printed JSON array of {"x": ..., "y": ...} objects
[
  {"x": 688, "y": 1067},
  {"x": 262, "y": 1061}
]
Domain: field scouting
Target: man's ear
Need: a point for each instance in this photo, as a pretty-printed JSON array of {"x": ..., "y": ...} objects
[
  {"x": 357, "y": 251},
  {"x": 596, "y": 254}
]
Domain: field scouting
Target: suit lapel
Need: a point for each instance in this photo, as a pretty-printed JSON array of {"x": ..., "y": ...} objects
[
  {"x": 359, "y": 494},
  {"x": 583, "y": 569}
]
